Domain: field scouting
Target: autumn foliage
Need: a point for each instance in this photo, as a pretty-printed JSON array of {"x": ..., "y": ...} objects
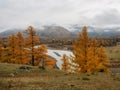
[
  {"x": 88, "y": 55},
  {"x": 31, "y": 41},
  {"x": 20, "y": 50},
  {"x": 66, "y": 63}
]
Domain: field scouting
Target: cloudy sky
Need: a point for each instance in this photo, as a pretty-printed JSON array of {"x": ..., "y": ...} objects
[{"x": 61, "y": 12}]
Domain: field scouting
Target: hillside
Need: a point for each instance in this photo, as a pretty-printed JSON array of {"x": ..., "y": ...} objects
[
  {"x": 97, "y": 31},
  {"x": 48, "y": 32},
  {"x": 54, "y": 32},
  {"x": 12, "y": 78}
]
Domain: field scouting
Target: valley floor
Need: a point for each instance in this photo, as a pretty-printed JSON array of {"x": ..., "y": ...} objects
[{"x": 12, "y": 78}]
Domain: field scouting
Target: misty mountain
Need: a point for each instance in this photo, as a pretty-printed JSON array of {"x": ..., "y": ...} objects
[
  {"x": 97, "y": 31},
  {"x": 10, "y": 31},
  {"x": 48, "y": 32},
  {"x": 52, "y": 32}
]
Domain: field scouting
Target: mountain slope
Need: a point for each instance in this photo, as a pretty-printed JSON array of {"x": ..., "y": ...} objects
[
  {"x": 58, "y": 32},
  {"x": 54, "y": 32},
  {"x": 48, "y": 32}
]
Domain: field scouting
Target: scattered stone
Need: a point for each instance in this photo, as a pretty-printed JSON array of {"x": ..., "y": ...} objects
[
  {"x": 24, "y": 68},
  {"x": 13, "y": 74}
]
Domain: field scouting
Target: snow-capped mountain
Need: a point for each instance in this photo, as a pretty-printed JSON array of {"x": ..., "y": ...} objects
[{"x": 54, "y": 31}]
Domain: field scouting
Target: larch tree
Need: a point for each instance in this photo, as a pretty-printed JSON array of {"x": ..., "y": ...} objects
[
  {"x": 31, "y": 41},
  {"x": 81, "y": 51},
  {"x": 40, "y": 55},
  {"x": 11, "y": 54},
  {"x": 99, "y": 57},
  {"x": 21, "y": 54},
  {"x": 66, "y": 63},
  {"x": 103, "y": 62},
  {"x": 88, "y": 56},
  {"x": 93, "y": 62}
]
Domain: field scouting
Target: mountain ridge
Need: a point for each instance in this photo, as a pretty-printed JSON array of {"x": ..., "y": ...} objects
[{"x": 53, "y": 31}]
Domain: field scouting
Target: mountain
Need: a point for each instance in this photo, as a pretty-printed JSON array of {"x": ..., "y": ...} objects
[
  {"x": 58, "y": 32},
  {"x": 10, "y": 31},
  {"x": 49, "y": 32},
  {"x": 97, "y": 31},
  {"x": 54, "y": 32}
]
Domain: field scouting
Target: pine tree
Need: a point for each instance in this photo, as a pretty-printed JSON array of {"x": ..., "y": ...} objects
[{"x": 31, "y": 41}]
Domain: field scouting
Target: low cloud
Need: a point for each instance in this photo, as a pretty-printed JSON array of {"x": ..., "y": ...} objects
[
  {"x": 61, "y": 12},
  {"x": 107, "y": 17}
]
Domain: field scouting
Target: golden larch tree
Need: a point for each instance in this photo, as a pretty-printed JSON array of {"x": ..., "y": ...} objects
[
  {"x": 66, "y": 63},
  {"x": 40, "y": 55},
  {"x": 103, "y": 62},
  {"x": 31, "y": 41},
  {"x": 88, "y": 56},
  {"x": 11, "y": 54},
  {"x": 81, "y": 51},
  {"x": 21, "y": 54},
  {"x": 93, "y": 60}
]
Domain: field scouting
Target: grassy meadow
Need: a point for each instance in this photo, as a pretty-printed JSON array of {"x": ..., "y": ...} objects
[
  {"x": 52, "y": 79},
  {"x": 113, "y": 53}
]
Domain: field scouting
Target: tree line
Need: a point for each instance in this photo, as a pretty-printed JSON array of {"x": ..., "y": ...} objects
[
  {"x": 88, "y": 54},
  {"x": 20, "y": 50}
]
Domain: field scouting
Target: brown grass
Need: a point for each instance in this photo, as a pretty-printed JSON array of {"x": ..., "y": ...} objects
[
  {"x": 113, "y": 53},
  {"x": 51, "y": 79}
]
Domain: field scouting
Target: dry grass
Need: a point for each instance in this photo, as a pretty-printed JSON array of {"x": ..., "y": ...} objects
[
  {"x": 51, "y": 79},
  {"x": 113, "y": 53}
]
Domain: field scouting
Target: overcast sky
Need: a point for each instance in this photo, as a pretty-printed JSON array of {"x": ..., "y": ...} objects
[{"x": 61, "y": 12}]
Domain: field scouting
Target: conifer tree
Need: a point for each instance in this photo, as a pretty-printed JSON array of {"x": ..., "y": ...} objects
[
  {"x": 11, "y": 50},
  {"x": 21, "y": 54},
  {"x": 66, "y": 63},
  {"x": 40, "y": 55},
  {"x": 99, "y": 57},
  {"x": 103, "y": 62},
  {"x": 81, "y": 51},
  {"x": 88, "y": 56},
  {"x": 31, "y": 41},
  {"x": 93, "y": 60}
]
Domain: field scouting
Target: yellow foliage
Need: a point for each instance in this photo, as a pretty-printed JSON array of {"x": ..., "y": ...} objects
[
  {"x": 89, "y": 57},
  {"x": 66, "y": 63},
  {"x": 31, "y": 41}
]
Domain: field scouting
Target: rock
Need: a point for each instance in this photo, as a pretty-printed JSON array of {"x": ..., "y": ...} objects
[
  {"x": 13, "y": 74},
  {"x": 24, "y": 68}
]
